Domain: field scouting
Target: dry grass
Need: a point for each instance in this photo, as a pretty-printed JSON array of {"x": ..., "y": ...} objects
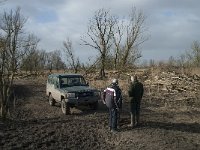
[{"x": 154, "y": 95}]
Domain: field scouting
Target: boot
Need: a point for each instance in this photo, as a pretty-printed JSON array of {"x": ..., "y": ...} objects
[
  {"x": 132, "y": 121},
  {"x": 137, "y": 120},
  {"x": 118, "y": 120}
]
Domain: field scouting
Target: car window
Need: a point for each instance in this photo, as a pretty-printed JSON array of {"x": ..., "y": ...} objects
[
  {"x": 50, "y": 80},
  {"x": 72, "y": 81}
]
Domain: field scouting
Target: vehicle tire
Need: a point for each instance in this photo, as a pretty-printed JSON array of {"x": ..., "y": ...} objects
[
  {"x": 51, "y": 100},
  {"x": 65, "y": 107},
  {"x": 94, "y": 106}
]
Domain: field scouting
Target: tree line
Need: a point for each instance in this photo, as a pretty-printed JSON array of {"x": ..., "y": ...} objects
[
  {"x": 185, "y": 61},
  {"x": 18, "y": 51},
  {"x": 114, "y": 40},
  {"x": 117, "y": 42}
]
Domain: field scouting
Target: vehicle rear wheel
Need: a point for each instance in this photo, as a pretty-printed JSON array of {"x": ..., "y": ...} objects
[
  {"x": 51, "y": 100},
  {"x": 65, "y": 107}
]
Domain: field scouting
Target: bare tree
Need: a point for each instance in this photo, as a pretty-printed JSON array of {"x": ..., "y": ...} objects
[
  {"x": 43, "y": 60},
  {"x": 54, "y": 61},
  {"x": 30, "y": 49},
  {"x": 100, "y": 35},
  {"x": 172, "y": 63},
  {"x": 182, "y": 62},
  {"x": 90, "y": 66},
  {"x": 128, "y": 36},
  {"x": 35, "y": 61},
  {"x": 70, "y": 56},
  {"x": 194, "y": 55},
  {"x": 191, "y": 58},
  {"x": 12, "y": 43},
  {"x": 152, "y": 63},
  {"x": 117, "y": 38}
]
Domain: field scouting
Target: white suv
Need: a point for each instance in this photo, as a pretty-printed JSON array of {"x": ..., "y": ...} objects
[{"x": 71, "y": 90}]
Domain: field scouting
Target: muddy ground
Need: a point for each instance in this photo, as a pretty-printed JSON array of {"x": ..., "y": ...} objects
[{"x": 34, "y": 124}]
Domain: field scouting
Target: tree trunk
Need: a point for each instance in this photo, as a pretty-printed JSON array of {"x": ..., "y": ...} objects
[
  {"x": 115, "y": 61},
  {"x": 3, "y": 111},
  {"x": 102, "y": 70}
]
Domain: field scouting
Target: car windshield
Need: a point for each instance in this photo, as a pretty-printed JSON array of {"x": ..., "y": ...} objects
[{"x": 72, "y": 81}]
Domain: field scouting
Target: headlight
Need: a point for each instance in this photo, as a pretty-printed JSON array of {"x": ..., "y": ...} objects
[
  {"x": 71, "y": 95},
  {"x": 96, "y": 93}
]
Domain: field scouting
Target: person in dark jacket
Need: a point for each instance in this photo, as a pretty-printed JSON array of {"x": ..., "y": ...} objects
[
  {"x": 113, "y": 100},
  {"x": 135, "y": 92}
]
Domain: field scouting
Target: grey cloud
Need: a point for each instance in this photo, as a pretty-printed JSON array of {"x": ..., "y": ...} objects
[{"x": 173, "y": 24}]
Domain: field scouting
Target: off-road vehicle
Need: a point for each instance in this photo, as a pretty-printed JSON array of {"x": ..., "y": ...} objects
[{"x": 71, "y": 90}]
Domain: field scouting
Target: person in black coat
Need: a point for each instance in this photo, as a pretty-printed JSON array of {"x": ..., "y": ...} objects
[{"x": 135, "y": 93}]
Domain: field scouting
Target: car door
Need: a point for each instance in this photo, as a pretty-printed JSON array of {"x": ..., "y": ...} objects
[{"x": 56, "y": 90}]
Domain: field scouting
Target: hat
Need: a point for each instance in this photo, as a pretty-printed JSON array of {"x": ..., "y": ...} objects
[
  {"x": 134, "y": 78},
  {"x": 114, "y": 81}
]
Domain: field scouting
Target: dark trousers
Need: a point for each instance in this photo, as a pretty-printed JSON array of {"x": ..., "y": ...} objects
[
  {"x": 135, "y": 111},
  {"x": 113, "y": 115}
]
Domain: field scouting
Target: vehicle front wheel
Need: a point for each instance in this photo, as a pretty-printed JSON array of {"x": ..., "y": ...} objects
[
  {"x": 65, "y": 107},
  {"x": 51, "y": 100}
]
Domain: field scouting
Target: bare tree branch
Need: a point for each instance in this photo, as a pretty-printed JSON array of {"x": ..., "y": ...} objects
[
  {"x": 69, "y": 52},
  {"x": 100, "y": 35},
  {"x": 132, "y": 33},
  {"x": 11, "y": 30}
]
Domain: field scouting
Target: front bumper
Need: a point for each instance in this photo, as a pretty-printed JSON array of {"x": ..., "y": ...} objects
[{"x": 82, "y": 100}]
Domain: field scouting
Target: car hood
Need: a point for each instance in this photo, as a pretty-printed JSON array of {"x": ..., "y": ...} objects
[{"x": 77, "y": 89}]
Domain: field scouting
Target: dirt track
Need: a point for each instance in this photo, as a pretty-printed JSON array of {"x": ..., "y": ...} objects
[{"x": 37, "y": 125}]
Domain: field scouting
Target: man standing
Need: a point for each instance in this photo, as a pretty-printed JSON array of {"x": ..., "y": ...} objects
[
  {"x": 113, "y": 100},
  {"x": 135, "y": 92}
]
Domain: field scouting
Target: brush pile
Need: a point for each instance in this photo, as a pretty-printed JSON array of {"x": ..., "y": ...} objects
[{"x": 173, "y": 88}]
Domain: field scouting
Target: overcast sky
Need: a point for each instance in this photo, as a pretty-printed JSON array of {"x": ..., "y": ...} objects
[{"x": 172, "y": 24}]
